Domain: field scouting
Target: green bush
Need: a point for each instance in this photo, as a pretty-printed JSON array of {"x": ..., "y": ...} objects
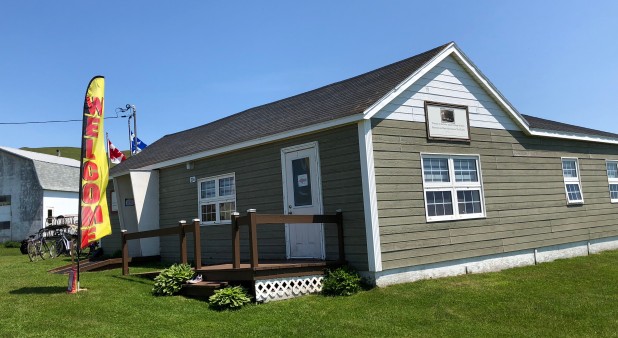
[
  {"x": 341, "y": 282},
  {"x": 12, "y": 244},
  {"x": 229, "y": 298},
  {"x": 170, "y": 280}
]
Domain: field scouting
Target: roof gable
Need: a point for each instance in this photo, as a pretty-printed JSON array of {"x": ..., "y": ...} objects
[{"x": 554, "y": 129}]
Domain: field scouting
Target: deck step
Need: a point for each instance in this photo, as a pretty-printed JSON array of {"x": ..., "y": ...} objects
[{"x": 202, "y": 289}]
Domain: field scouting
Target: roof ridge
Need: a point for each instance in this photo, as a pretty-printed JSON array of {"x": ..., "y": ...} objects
[
  {"x": 580, "y": 129},
  {"x": 388, "y": 66},
  {"x": 41, "y": 157}
]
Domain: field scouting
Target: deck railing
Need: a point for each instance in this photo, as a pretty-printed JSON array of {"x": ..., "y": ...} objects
[
  {"x": 253, "y": 219},
  {"x": 181, "y": 230}
]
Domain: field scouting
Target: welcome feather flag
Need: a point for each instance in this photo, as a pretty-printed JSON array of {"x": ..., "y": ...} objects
[{"x": 94, "y": 174}]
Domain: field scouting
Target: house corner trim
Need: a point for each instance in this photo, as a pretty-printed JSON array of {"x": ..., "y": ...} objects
[{"x": 370, "y": 198}]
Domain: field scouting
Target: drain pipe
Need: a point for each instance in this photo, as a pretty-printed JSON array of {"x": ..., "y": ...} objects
[{"x": 535, "y": 253}]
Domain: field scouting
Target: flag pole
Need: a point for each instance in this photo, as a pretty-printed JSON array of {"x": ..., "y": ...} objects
[
  {"x": 109, "y": 159},
  {"x": 134, "y": 126},
  {"x": 130, "y": 141}
]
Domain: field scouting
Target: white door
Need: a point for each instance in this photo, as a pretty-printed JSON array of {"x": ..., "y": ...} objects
[{"x": 302, "y": 196}]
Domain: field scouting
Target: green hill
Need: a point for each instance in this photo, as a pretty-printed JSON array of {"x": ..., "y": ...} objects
[{"x": 68, "y": 152}]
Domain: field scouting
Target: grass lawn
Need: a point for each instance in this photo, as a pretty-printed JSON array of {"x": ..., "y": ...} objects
[{"x": 574, "y": 297}]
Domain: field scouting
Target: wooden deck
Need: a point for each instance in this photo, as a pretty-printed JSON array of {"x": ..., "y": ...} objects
[{"x": 265, "y": 270}]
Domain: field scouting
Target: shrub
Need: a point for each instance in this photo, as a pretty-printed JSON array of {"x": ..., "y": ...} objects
[
  {"x": 12, "y": 244},
  {"x": 341, "y": 282},
  {"x": 170, "y": 280},
  {"x": 229, "y": 298}
]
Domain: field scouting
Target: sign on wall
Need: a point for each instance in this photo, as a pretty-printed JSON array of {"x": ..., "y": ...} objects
[{"x": 447, "y": 121}]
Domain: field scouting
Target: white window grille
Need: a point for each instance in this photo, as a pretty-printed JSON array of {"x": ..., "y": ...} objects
[
  {"x": 612, "y": 177},
  {"x": 572, "y": 184},
  {"x": 452, "y": 187},
  {"x": 217, "y": 198}
]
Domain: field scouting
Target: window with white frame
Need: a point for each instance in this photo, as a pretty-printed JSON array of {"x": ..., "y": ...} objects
[
  {"x": 217, "y": 198},
  {"x": 572, "y": 184},
  {"x": 452, "y": 187},
  {"x": 612, "y": 177}
]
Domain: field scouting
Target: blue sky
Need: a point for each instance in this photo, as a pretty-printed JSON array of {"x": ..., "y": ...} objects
[{"x": 187, "y": 63}]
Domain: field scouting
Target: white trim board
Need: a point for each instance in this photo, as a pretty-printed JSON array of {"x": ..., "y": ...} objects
[{"x": 370, "y": 196}]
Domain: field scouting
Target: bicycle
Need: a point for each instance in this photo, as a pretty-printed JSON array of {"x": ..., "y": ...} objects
[
  {"x": 63, "y": 244},
  {"x": 37, "y": 247}
]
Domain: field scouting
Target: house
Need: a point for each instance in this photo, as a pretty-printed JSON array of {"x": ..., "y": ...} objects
[
  {"x": 33, "y": 188},
  {"x": 436, "y": 174}
]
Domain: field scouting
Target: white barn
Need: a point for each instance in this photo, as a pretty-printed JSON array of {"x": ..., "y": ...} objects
[{"x": 33, "y": 187}]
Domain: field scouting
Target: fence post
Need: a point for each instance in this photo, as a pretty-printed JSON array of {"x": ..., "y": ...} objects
[
  {"x": 125, "y": 253},
  {"x": 235, "y": 241},
  {"x": 340, "y": 235},
  {"x": 183, "y": 241},
  {"x": 253, "y": 248},
  {"x": 197, "y": 244}
]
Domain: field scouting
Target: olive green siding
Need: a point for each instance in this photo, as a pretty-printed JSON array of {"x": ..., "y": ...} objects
[
  {"x": 522, "y": 180},
  {"x": 259, "y": 186}
]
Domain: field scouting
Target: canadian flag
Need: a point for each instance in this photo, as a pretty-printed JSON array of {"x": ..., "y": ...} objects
[{"x": 115, "y": 155}]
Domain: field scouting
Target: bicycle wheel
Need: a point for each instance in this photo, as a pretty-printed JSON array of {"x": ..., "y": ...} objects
[
  {"x": 52, "y": 249},
  {"x": 46, "y": 252},
  {"x": 32, "y": 253},
  {"x": 39, "y": 249},
  {"x": 60, "y": 248}
]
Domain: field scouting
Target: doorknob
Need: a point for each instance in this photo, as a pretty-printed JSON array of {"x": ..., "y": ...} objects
[{"x": 289, "y": 209}]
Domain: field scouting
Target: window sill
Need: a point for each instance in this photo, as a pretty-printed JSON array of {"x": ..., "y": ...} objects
[
  {"x": 454, "y": 218},
  {"x": 576, "y": 203}
]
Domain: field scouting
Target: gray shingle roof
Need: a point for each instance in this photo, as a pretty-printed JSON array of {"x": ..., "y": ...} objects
[
  {"x": 57, "y": 177},
  {"x": 331, "y": 102},
  {"x": 539, "y": 123},
  {"x": 54, "y": 173},
  {"x": 337, "y": 100}
]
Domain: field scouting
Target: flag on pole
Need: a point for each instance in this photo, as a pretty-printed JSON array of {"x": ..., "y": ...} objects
[
  {"x": 94, "y": 174},
  {"x": 115, "y": 156},
  {"x": 136, "y": 144}
]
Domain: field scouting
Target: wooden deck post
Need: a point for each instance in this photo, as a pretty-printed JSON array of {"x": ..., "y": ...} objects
[
  {"x": 340, "y": 235},
  {"x": 253, "y": 248},
  {"x": 125, "y": 253},
  {"x": 183, "y": 241},
  {"x": 235, "y": 241},
  {"x": 197, "y": 244}
]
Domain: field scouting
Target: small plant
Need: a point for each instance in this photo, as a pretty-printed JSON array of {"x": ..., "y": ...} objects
[
  {"x": 170, "y": 280},
  {"x": 341, "y": 282},
  {"x": 229, "y": 298},
  {"x": 12, "y": 244}
]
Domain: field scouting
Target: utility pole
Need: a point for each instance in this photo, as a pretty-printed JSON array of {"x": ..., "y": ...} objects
[{"x": 133, "y": 115}]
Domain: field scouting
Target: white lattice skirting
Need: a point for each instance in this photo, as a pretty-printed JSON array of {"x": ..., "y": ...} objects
[{"x": 283, "y": 288}]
